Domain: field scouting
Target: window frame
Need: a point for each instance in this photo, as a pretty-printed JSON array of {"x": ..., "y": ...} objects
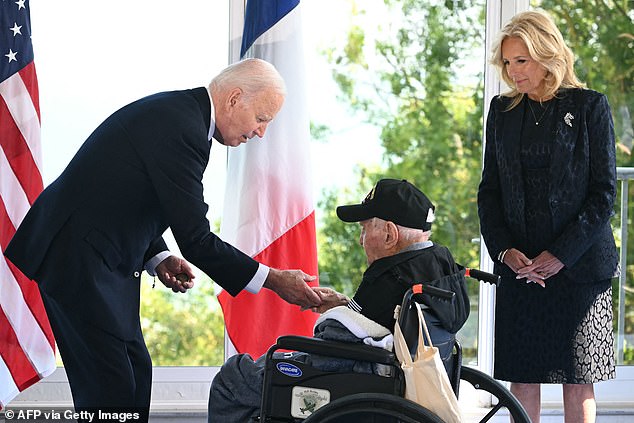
[{"x": 186, "y": 389}]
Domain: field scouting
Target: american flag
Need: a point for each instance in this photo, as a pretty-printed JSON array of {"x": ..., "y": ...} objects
[{"x": 27, "y": 347}]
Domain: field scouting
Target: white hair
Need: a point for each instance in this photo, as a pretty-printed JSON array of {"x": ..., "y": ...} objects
[
  {"x": 250, "y": 75},
  {"x": 406, "y": 235},
  {"x": 412, "y": 235}
]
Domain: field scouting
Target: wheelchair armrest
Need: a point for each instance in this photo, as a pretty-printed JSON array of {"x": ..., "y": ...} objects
[{"x": 360, "y": 352}]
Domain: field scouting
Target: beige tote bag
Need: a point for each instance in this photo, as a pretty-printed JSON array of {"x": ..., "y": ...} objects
[{"x": 426, "y": 381}]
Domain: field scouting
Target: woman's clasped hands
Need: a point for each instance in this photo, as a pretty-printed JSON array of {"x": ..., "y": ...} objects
[{"x": 536, "y": 270}]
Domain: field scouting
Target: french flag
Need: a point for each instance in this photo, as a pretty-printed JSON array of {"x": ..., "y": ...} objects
[{"x": 268, "y": 207}]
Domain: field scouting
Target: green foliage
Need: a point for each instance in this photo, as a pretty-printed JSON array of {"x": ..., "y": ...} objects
[
  {"x": 319, "y": 132},
  {"x": 411, "y": 81},
  {"x": 182, "y": 329}
]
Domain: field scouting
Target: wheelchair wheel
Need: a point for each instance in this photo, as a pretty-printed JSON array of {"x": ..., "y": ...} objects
[
  {"x": 483, "y": 382},
  {"x": 369, "y": 407}
]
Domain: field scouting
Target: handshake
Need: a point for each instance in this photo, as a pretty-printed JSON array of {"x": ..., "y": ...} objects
[{"x": 329, "y": 299}]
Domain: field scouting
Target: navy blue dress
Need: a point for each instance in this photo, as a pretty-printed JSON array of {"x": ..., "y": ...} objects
[{"x": 561, "y": 333}]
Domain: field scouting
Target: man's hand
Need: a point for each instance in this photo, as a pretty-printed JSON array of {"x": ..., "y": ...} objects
[
  {"x": 329, "y": 299},
  {"x": 291, "y": 286},
  {"x": 175, "y": 273}
]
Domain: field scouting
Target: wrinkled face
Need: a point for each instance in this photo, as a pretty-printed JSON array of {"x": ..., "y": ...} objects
[
  {"x": 527, "y": 73},
  {"x": 372, "y": 239},
  {"x": 243, "y": 117}
]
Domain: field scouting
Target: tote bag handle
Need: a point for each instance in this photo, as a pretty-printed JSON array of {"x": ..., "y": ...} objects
[{"x": 400, "y": 344}]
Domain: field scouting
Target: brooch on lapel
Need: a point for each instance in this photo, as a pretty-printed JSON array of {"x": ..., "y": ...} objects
[{"x": 568, "y": 119}]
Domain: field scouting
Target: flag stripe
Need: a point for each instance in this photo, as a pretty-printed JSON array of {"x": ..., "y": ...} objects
[
  {"x": 6, "y": 226},
  {"x": 16, "y": 360},
  {"x": 20, "y": 134},
  {"x": 27, "y": 329},
  {"x": 28, "y": 288},
  {"x": 260, "y": 17},
  {"x": 22, "y": 110},
  {"x": 290, "y": 250},
  {"x": 8, "y": 389},
  {"x": 15, "y": 199},
  {"x": 21, "y": 89},
  {"x": 29, "y": 77}
]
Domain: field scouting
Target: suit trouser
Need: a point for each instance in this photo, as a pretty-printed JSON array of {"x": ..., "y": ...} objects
[{"x": 104, "y": 371}]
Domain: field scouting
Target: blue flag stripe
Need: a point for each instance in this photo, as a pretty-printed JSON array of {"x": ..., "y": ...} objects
[{"x": 260, "y": 15}]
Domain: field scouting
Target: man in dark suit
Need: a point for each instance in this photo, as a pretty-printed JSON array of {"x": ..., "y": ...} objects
[{"x": 92, "y": 232}]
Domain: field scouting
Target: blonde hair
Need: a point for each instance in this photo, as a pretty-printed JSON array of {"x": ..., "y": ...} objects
[
  {"x": 251, "y": 75},
  {"x": 545, "y": 45}
]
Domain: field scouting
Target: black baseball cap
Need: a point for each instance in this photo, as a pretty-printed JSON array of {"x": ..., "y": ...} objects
[{"x": 395, "y": 200}]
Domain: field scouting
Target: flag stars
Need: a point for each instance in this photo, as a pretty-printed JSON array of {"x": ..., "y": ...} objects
[
  {"x": 11, "y": 55},
  {"x": 16, "y": 29},
  {"x": 20, "y": 4}
]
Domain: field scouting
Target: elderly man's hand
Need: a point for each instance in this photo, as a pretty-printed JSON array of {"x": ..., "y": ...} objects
[
  {"x": 329, "y": 299},
  {"x": 292, "y": 287},
  {"x": 175, "y": 273}
]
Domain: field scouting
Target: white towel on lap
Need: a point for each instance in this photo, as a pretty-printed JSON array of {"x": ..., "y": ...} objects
[{"x": 370, "y": 331}]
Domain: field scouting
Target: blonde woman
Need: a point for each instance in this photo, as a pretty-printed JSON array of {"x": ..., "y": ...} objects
[{"x": 545, "y": 201}]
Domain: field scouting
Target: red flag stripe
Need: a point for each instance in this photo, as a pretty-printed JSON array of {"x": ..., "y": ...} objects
[
  {"x": 17, "y": 136},
  {"x": 13, "y": 356},
  {"x": 32, "y": 340},
  {"x": 15, "y": 200},
  {"x": 7, "y": 228},
  {"x": 33, "y": 300},
  {"x": 291, "y": 250},
  {"x": 18, "y": 94},
  {"x": 29, "y": 76},
  {"x": 29, "y": 289}
]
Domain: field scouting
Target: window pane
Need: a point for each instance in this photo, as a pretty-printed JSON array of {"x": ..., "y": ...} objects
[
  {"x": 94, "y": 57},
  {"x": 412, "y": 72}
]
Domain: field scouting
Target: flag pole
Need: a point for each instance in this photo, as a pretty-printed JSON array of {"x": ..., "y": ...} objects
[
  {"x": 236, "y": 26},
  {"x": 237, "y": 10}
]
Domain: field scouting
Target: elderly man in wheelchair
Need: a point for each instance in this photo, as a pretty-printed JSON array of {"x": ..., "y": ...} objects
[{"x": 351, "y": 352}]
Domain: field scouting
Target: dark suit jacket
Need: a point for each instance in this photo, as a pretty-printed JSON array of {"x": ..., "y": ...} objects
[
  {"x": 582, "y": 185},
  {"x": 86, "y": 238}
]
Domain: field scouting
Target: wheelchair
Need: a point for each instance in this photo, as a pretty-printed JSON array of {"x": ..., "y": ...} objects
[{"x": 297, "y": 392}]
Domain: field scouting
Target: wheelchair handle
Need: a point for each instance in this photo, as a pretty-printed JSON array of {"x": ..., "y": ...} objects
[
  {"x": 433, "y": 291},
  {"x": 482, "y": 276}
]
